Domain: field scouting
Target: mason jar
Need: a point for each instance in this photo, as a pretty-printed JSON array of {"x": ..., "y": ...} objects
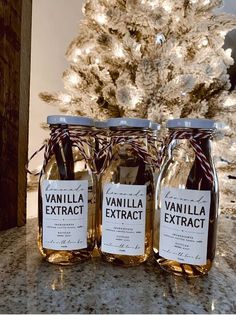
[
  {"x": 127, "y": 194},
  {"x": 187, "y": 196},
  {"x": 67, "y": 192}
]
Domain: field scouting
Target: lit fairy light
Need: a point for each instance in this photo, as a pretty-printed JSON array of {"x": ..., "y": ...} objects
[
  {"x": 77, "y": 52},
  {"x": 87, "y": 50},
  {"x": 177, "y": 19},
  {"x": 65, "y": 98},
  {"x": 203, "y": 43},
  {"x": 74, "y": 79},
  {"x": 94, "y": 97},
  {"x": 135, "y": 100},
  {"x": 138, "y": 47},
  {"x": 213, "y": 305},
  {"x": 97, "y": 61},
  {"x": 151, "y": 3},
  {"x": 135, "y": 97},
  {"x": 179, "y": 52},
  {"x": 167, "y": 6},
  {"x": 228, "y": 52},
  {"x": 101, "y": 18},
  {"x": 230, "y": 101},
  {"x": 118, "y": 51},
  {"x": 223, "y": 33}
]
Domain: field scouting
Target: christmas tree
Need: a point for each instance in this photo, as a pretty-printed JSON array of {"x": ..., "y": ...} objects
[{"x": 156, "y": 59}]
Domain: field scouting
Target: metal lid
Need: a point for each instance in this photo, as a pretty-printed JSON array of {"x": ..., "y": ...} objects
[
  {"x": 70, "y": 120},
  {"x": 100, "y": 124},
  {"x": 191, "y": 123},
  {"x": 128, "y": 122},
  {"x": 221, "y": 125},
  {"x": 155, "y": 126}
]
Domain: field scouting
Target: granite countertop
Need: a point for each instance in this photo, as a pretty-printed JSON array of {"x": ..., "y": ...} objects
[{"x": 30, "y": 285}]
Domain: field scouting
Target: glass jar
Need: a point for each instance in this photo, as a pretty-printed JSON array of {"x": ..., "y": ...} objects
[
  {"x": 187, "y": 196},
  {"x": 67, "y": 192},
  {"x": 127, "y": 195}
]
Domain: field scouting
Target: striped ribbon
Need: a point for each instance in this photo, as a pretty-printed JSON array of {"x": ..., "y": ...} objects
[
  {"x": 193, "y": 139},
  {"x": 127, "y": 137},
  {"x": 78, "y": 139}
]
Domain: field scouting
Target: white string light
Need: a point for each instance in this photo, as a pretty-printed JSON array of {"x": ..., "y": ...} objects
[
  {"x": 80, "y": 52},
  {"x": 76, "y": 53},
  {"x": 228, "y": 52},
  {"x": 179, "y": 52},
  {"x": 65, "y": 98},
  {"x": 135, "y": 97},
  {"x": 118, "y": 51},
  {"x": 101, "y": 18},
  {"x": 74, "y": 79},
  {"x": 223, "y": 33},
  {"x": 167, "y": 6},
  {"x": 230, "y": 101},
  {"x": 151, "y": 3}
]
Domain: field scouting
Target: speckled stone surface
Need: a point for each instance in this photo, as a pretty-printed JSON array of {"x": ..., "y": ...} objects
[{"x": 30, "y": 285}]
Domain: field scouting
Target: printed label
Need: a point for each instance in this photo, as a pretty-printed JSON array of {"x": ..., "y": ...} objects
[
  {"x": 184, "y": 225},
  {"x": 123, "y": 219},
  {"x": 65, "y": 214}
]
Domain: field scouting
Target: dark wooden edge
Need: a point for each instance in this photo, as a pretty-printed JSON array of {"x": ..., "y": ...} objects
[{"x": 24, "y": 108}]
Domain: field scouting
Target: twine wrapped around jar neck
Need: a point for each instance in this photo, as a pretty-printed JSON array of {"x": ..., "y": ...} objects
[
  {"x": 128, "y": 137},
  {"x": 78, "y": 138},
  {"x": 194, "y": 138}
]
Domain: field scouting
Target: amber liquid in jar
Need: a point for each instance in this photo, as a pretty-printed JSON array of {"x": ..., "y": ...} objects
[
  {"x": 126, "y": 209},
  {"x": 67, "y": 194},
  {"x": 182, "y": 170}
]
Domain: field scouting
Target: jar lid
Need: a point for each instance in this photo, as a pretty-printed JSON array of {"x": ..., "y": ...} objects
[
  {"x": 100, "y": 124},
  {"x": 221, "y": 125},
  {"x": 128, "y": 122},
  {"x": 191, "y": 123},
  {"x": 70, "y": 120},
  {"x": 155, "y": 126}
]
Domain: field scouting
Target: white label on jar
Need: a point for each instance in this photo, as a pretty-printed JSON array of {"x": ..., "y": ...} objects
[
  {"x": 184, "y": 225},
  {"x": 65, "y": 214},
  {"x": 123, "y": 219}
]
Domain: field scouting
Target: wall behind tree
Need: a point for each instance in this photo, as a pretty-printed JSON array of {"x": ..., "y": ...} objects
[{"x": 54, "y": 24}]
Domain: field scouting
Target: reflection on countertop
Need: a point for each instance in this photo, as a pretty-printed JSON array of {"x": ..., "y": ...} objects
[{"x": 30, "y": 285}]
